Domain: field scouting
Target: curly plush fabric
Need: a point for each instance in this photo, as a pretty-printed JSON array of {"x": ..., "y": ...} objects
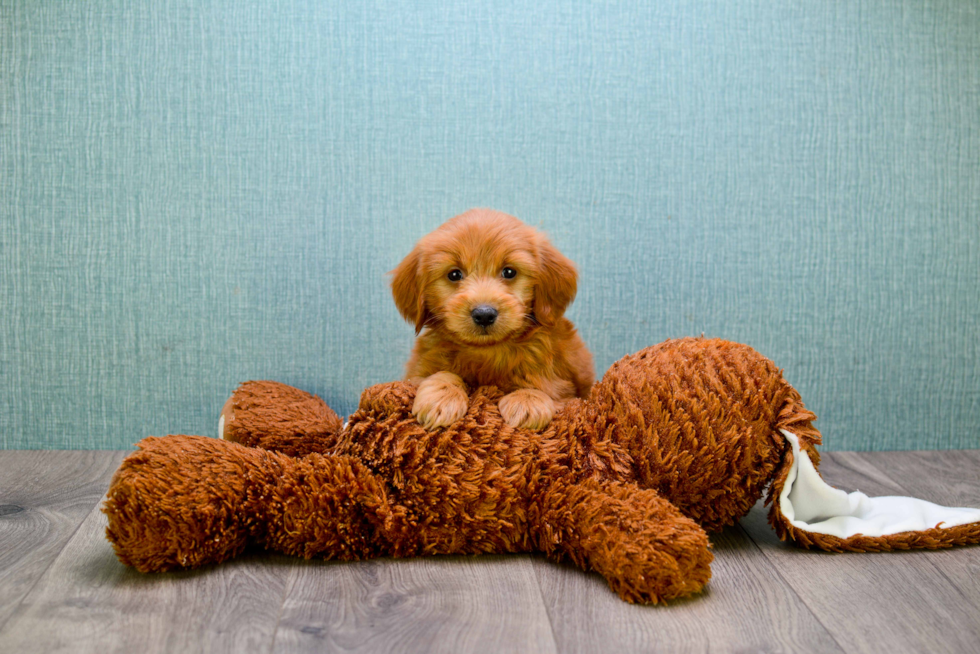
[{"x": 677, "y": 439}]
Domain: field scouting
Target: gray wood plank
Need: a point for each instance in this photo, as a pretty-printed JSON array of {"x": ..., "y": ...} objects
[
  {"x": 889, "y": 602},
  {"x": 44, "y": 496},
  {"x": 89, "y": 602},
  {"x": 951, "y": 478},
  {"x": 745, "y": 608},
  {"x": 439, "y": 604},
  {"x": 61, "y": 588}
]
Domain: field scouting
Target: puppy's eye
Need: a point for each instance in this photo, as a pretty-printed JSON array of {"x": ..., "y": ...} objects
[
  {"x": 455, "y": 275},
  {"x": 508, "y": 273}
]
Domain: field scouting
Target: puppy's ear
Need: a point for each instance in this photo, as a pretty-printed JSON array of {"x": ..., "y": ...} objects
[
  {"x": 407, "y": 289},
  {"x": 556, "y": 284}
]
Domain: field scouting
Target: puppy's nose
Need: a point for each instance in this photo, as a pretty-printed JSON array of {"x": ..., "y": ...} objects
[{"x": 484, "y": 315}]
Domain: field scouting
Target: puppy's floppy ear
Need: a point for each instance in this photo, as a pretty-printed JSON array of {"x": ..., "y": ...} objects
[
  {"x": 556, "y": 284},
  {"x": 407, "y": 289}
]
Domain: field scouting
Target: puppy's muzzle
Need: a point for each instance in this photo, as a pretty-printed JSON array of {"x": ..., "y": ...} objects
[{"x": 484, "y": 315}]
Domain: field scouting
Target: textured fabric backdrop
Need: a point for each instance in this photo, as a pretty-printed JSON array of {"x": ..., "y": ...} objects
[{"x": 200, "y": 193}]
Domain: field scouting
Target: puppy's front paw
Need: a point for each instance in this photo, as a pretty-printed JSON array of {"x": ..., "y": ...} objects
[
  {"x": 440, "y": 400},
  {"x": 528, "y": 408}
]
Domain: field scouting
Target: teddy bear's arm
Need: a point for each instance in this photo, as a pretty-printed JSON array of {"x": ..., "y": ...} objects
[{"x": 278, "y": 417}]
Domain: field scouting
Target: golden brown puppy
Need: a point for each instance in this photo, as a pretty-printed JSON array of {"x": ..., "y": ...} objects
[{"x": 487, "y": 296}]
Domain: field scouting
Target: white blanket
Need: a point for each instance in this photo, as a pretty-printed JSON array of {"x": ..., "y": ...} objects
[{"x": 811, "y": 505}]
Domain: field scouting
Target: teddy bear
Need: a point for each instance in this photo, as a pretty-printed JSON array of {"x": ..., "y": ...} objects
[{"x": 677, "y": 440}]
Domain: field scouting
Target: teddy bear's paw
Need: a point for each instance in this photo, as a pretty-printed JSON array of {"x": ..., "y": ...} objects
[
  {"x": 527, "y": 408},
  {"x": 440, "y": 401},
  {"x": 659, "y": 575}
]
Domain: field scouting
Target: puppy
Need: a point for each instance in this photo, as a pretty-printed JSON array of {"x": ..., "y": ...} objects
[{"x": 487, "y": 295}]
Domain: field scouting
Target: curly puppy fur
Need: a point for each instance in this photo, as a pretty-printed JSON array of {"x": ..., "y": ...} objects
[{"x": 487, "y": 295}]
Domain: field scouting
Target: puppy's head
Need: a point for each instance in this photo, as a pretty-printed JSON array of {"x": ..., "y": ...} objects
[{"x": 483, "y": 277}]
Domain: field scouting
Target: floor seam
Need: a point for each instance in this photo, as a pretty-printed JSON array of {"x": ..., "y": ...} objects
[
  {"x": 282, "y": 608},
  {"x": 547, "y": 611}
]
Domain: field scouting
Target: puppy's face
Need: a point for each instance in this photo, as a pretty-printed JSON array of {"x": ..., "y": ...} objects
[{"x": 482, "y": 278}]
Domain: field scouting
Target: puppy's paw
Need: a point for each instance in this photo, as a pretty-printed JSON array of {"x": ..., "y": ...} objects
[
  {"x": 528, "y": 408},
  {"x": 440, "y": 400}
]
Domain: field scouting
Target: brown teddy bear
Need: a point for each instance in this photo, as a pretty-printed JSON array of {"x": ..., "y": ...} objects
[{"x": 680, "y": 438}]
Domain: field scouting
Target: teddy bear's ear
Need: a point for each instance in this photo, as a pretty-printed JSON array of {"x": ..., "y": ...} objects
[
  {"x": 407, "y": 287},
  {"x": 557, "y": 282}
]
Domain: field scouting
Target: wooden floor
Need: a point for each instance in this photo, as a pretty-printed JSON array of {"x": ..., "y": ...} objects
[{"x": 61, "y": 588}]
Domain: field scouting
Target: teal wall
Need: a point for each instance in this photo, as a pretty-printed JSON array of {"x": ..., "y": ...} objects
[{"x": 200, "y": 193}]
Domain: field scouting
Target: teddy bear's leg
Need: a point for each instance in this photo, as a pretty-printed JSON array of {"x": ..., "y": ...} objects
[
  {"x": 642, "y": 544},
  {"x": 180, "y": 501},
  {"x": 332, "y": 507},
  {"x": 187, "y": 501},
  {"x": 278, "y": 417}
]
